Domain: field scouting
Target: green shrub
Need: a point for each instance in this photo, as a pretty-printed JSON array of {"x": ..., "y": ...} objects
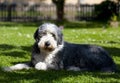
[{"x": 106, "y": 10}]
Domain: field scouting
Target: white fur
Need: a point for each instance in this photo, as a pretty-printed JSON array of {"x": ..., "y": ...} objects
[
  {"x": 47, "y": 56},
  {"x": 50, "y": 28},
  {"x": 46, "y": 38},
  {"x": 16, "y": 67},
  {"x": 50, "y": 56},
  {"x": 41, "y": 66},
  {"x": 48, "y": 59},
  {"x": 73, "y": 68}
]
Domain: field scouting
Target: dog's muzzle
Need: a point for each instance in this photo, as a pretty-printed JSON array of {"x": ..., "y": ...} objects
[
  {"x": 46, "y": 46},
  {"x": 47, "y": 43}
]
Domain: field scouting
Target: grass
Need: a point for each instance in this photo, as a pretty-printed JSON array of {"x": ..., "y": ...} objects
[{"x": 16, "y": 40}]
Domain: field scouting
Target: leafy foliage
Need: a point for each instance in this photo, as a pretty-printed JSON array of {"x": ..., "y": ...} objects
[{"x": 106, "y": 10}]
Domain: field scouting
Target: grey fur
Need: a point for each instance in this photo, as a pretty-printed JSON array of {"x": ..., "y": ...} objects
[
  {"x": 86, "y": 57},
  {"x": 70, "y": 56}
]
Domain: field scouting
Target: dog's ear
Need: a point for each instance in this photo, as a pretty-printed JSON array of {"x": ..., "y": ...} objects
[
  {"x": 61, "y": 27},
  {"x": 60, "y": 37},
  {"x": 36, "y": 35},
  {"x": 60, "y": 34}
]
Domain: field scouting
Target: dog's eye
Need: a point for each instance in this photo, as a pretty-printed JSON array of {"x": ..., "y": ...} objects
[
  {"x": 44, "y": 33},
  {"x": 53, "y": 34}
]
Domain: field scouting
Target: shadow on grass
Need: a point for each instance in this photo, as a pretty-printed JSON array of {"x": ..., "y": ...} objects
[
  {"x": 26, "y": 24},
  {"x": 85, "y": 25},
  {"x": 50, "y": 76},
  {"x": 10, "y": 50},
  {"x": 14, "y": 51},
  {"x": 55, "y": 76},
  {"x": 65, "y": 24},
  {"x": 113, "y": 51},
  {"x": 5, "y": 47}
]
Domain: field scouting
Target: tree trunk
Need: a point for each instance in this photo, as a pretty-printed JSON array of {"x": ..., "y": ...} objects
[
  {"x": 60, "y": 9},
  {"x": 60, "y": 13}
]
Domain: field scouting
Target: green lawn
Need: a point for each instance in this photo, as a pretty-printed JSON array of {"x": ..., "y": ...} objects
[{"x": 16, "y": 40}]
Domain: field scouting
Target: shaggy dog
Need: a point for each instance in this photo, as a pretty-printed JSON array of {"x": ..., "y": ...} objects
[{"x": 51, "y": 52}]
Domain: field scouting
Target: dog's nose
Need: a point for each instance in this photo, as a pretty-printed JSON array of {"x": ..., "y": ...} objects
[{"x": 47, "y": 43}]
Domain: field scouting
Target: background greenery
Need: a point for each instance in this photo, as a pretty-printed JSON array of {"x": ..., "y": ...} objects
[{"x": 16, "y": 40}]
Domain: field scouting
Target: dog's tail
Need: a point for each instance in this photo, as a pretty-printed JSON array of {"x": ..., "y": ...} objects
[{"x": 19, "y": 66}]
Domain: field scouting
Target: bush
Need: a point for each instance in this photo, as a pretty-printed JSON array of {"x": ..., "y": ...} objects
[{"x": 106, "y": 10}]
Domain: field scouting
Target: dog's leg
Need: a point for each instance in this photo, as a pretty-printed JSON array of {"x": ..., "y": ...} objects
[
  {"x": 73, "y": 68},
  {"x": 19, "y": 66},
  {"x": 41, "y": 66},
  {"x": 108, "y": 69}
]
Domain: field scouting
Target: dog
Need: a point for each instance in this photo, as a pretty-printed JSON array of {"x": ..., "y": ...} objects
[{"x": 50, "y": 51}]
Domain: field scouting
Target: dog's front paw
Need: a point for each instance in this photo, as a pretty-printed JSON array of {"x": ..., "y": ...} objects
[
  {"x": 7, "y": 69},
  {"x": 41, "y": 66}
]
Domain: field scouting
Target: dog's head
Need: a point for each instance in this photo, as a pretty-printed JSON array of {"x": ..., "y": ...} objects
[{"x": 48, "y": 37}]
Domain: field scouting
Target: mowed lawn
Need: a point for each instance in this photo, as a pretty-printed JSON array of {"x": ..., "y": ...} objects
[{"x": 16, "y": 40}]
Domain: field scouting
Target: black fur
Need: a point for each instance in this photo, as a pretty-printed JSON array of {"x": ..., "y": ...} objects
[
  {"x": 65, "y": 55},
  {"x": 86, "y": 57}
]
